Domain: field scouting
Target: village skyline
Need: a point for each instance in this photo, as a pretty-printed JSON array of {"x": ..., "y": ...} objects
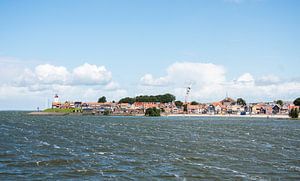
[{"x": 167, "y": 104}]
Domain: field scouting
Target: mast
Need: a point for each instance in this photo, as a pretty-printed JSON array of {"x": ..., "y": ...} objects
[{"x": 188, "y": 90}]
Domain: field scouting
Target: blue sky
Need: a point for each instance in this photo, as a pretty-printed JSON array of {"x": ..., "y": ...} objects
[{"x": 135, "y": 38}]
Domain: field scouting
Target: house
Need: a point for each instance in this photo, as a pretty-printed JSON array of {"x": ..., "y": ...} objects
[
  {"x": 292, "y": 106},
  {"x": 145, "y": 105},
  {"x": 235, "y": 109},
  {"x": 66, "y": 105},
  {"x": 56, "y": 105},
  {"x": 193, "y": 109},
  {"x": 99, "y": 107},
  {"x": 210, "y": 109},
  {"x": 275, "y": 109},
  {"x": 219, "y": 108},
  {"x": 269, "y": 109},
  {"x": 259, "y": 108},
  {"x": 227, "y": 101},
  {"x": 122, "y": 108},
  {"x": 151, "y": 105},
  {"x": 77, "y": 104},
  {"x": 167, "y": 107},
  {"x": 284, "y": 109}
]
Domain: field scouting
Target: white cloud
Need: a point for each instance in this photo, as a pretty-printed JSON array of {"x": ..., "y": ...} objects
[
  {"x": 91, "y": 74},
  {"x": 268, "y": 80},
  {"x": 149, "y": 80},
  {"x": 85, "y": 74},
  {"x": 209, "y": 83},
  {"x": 50, "y": 74},
  {"x": 199, "y": 73},
  {"x": 245, "y": 79},
  {"x": 31, "y": 87},
  {"x": 112, "y": 86}
]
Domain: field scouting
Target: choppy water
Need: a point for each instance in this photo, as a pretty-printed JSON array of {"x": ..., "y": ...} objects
[{"x": 135, "y": 148}]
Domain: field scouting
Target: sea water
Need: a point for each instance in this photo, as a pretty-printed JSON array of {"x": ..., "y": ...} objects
[{"x": 143, "y": 148}]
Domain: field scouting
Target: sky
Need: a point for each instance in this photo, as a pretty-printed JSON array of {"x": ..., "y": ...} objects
[{"x": 83, "y": 50}]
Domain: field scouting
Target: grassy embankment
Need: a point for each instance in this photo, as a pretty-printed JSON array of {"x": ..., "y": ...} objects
[{"x": 68, "y": 110}]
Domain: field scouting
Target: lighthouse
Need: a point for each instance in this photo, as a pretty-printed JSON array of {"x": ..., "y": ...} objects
[
  {"x": 56, "y": 103},
  {"x": 56, "y": 99}
]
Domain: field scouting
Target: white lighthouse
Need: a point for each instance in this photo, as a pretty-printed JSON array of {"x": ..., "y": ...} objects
[{"x": 56, "y": 99}]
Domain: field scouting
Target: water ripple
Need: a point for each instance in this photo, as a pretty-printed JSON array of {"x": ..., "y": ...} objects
[{"x": 139, "y": 148}]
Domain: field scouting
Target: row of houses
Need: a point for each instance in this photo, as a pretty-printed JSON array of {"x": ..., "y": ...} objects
[{"x": 225, "y": 106}]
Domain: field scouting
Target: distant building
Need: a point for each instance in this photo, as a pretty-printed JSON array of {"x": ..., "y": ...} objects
[
  {"x": 56, "y": 103},
  {"x": 228, "y": 101}
]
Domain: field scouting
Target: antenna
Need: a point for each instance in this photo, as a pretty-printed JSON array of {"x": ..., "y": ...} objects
[{"x": 187, "y": 93}]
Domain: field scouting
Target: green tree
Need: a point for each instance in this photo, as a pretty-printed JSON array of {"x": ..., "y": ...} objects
[
  {"x": 294, "y": 113},
  {"x": 106, "y": 112},
  {"x": 102, "y": 99},
  {"x": 166, "y": 98},
  {"x": 194, "y": 103},
  {"x": 297, "y": 101},
  {"x": 241, "y": 102},
  {"x": 280, "y": 102},
  {"x": 127, "y": 100},
  {"x": 178, "y": 103},
  {"x": 152, "y": 112}
]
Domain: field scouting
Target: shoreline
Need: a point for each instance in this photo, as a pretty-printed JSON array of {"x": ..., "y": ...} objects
[
  {"x": 230, "y": 115},
  {"x": 47, "y": 114},
  {"x": 166, "y": 115}
]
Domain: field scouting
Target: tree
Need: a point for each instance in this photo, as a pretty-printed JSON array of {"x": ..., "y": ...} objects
[
  {"x": 106, "y": 112},
  {"x": 102, "y": 99},
  {"x": 294, "y": 113},
  {"x": 166, "y": 98},
  {"x": 152, "y": 112},
  {"x": 127, "y": 100},
  {"x": 241, "y": 102},
  {"x": 297, "y": 101},
  {"x": 280, "y": 102},
  {"x": 178, "y": 103},
  {"x": 194, "y": 103}
]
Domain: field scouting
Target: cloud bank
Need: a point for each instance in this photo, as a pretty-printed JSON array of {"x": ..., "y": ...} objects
[
  {"x": 36, "y": 85},
  {"x": 210, "y": 83},
  {"x": 47, "y": 74},
  {"x": 23, "y": 87}
]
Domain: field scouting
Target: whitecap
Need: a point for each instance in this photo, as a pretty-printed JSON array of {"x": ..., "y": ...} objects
[
  {"x": 295, "y": 168},
  {"x": 44, "y": 143}
]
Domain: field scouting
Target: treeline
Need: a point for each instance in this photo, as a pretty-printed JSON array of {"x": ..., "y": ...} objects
[{"x": 165, "y": 98}]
